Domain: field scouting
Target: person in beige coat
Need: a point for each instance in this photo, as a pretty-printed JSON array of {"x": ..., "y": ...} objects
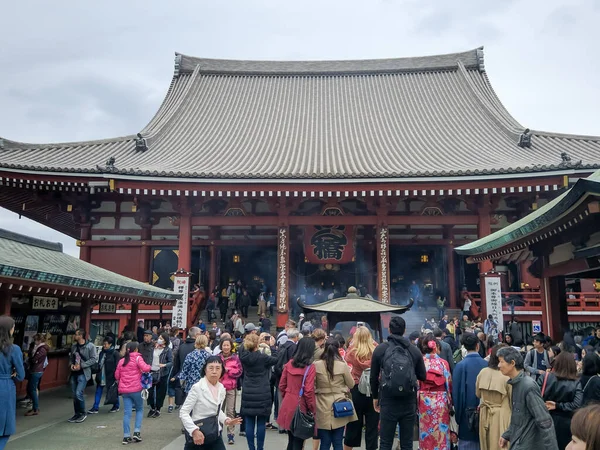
[
  {"x": 495, "y": 409},
  {"x": 332, "y": 383}
]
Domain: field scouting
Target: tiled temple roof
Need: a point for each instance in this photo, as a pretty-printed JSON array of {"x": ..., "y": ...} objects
[{"x": 324, "y": 120}]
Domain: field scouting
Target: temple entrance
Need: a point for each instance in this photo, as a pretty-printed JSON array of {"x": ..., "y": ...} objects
[
  {"x": 254, "y": 266},
  {"x": 426, "y": 266},
  {"x": 317, "y": 282}
]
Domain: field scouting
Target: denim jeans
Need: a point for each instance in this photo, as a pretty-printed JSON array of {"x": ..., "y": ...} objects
[
  {"x": 99, "y": 391},
  {"x": 78, "y": 384},
  {"x": 130, "y": 400},
  {"x": 32, "y": 388},
  {"x": 331, "y": 438},
  {"x": 259, "y": 422}
]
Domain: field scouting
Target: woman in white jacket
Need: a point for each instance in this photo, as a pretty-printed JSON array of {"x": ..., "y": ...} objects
[{"x": 205, "y": 400}]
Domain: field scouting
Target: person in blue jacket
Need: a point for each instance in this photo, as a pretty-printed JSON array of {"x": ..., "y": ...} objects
[{"x": 11, "y": 370}]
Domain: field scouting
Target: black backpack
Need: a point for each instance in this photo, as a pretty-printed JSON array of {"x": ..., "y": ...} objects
[{"x": 398, "y": 378}]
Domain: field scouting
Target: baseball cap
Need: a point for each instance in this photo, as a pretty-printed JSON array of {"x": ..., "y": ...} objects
[{"x": 250, "y": 327}]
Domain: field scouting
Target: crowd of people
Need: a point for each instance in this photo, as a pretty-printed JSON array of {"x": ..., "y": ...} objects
[{"x": 454, "y": 384}]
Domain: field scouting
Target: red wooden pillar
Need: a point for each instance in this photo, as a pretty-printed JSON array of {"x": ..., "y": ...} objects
[
  {"x": 185, "y": 240},
  {"x": 144, "y": 274},
  {"x": 283, "y": 273},
  {"x": 86, "y": 316},
  {"x": 5, "y": 303},
  {"x": 555, "y": 316},
  {"x": 133, "y": 318},
  {"x": 85, "y": 251},
  {"x": 383, "y": 266},
  {"x": 451, "y": 277},
  {"x": 212, "y": 271}
]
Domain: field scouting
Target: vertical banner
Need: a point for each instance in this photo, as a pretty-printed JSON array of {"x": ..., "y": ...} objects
[
  {"x": 383, "y": 266},
  {"x": 180, "y": 310},
  {"x": 283, "y": 263},
  {"x": 493, "y": 300}
]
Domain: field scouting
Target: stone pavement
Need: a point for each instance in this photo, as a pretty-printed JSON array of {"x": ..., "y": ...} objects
[{"x": 51, "y": 431}]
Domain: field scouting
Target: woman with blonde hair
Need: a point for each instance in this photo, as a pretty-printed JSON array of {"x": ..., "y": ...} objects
[
  {"x": 194, "y": 362},
  {"x": 359, "y": 358},
  {"x": 256, "y": 395},
  {"x": 495, "y": 394}
]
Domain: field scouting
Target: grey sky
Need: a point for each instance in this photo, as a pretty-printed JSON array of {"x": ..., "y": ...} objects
[{"x": 73, "y": 70}]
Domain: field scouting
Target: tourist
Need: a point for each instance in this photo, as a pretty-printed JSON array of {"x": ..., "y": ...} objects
[
  {"x": 563, "y": 395},
  {"x": 105, "y": 378},
  {"x": 319, "y": 336},
  {"x": 585, "y": 429},
  {"x": 531, "y": 426},
  {"x": 204, "y": 400},
  {"x": 553, "y": 352},
  {"x": 297, "y": 387},
  {"x": 162, "y": 361},
  {"x": 434, "y": 397},
  {"x": 37, "y": 361},
  {"x": 396, "y": 407},
  {"x": 194, "y": 362},
  {"x": 256, "y": 398},
  {"x": 262, "y": 304},
  {"x": 495, "y": 407},
  {"x": 146, "y": 347},
  {"x": 223, "y": 304},
  {"x": 446, "y": 352},
  {"x": 463, "y": 391},
  {"x": 83, "y": 357},
  {"x": 440, "y": 303},
  {"x": 537, "y": 361},
  {"x": 244, "y": 303},
  {"x": 467, "y": 303},
  {"x": 359, "y": 355},
  {"x": 201, "y": 325},
  {"x": 229, "y": 380},
  {"x": 332, "y": 384},
  {"x": 11, "y": 371},
  {"x": 185, "y": 348},
  {"x": 490, "y": 328},
  {"x": 265, "y": 324},
  {"x": 129, "y": 375},
  {"x": 140, "y": 330}
]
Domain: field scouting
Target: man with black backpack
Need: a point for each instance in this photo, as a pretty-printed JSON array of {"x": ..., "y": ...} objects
[{"x": 395, "y": 368}]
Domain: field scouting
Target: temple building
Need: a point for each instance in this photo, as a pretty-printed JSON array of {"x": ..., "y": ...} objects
[{"x": 301, "y": 177}]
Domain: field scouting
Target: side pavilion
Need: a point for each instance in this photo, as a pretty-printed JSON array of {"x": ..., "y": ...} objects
[
  {"x": 49, "y": 292},
  {"x": 562, "y": 239}
]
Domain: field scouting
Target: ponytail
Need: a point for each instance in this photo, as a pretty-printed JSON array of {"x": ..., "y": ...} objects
[{"x": 131, "y": 347}]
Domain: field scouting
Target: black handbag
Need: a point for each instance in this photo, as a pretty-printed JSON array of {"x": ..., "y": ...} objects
[
  {"x": 303, "y": 424},
  {"x": 473, "y": 419},
  {"x": 112, "y": 395},
  {"x": 209, "y": 426}
]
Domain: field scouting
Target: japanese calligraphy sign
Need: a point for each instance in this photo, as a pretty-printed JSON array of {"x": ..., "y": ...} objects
[
  {"x": 493, "y": 300},
  {"x": 329, "y": 244},
  {"x": 44, "y": 303},
  {"x": 283, "y": 261},
  {"x": 180, "y": 309},
  {"x": 110, "y": 308},
  {"x": 383, "y": 266}
]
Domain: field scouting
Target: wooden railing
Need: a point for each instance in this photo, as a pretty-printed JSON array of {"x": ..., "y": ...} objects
[{"x": 531, "y": 300}]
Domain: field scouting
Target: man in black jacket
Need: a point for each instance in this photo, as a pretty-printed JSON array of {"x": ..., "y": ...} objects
[
  {"x": 185, "y": 348},
  {"x": 146, "y": 347},
  {"x": 396, "y": 409}
]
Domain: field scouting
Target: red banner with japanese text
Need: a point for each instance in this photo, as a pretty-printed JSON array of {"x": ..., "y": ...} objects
[{"x": 329, "y": 244}]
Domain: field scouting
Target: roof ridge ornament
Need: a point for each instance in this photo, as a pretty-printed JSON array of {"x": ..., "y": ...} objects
[
  {"x": 109, "y": 165},
  {"x": 567, "y": 162},
  {"x": 177, "y": 65},
  {"x": 140, "y": 143},
  {"x": 525, "y": 139},
  {"x": 480, "y": 61}
]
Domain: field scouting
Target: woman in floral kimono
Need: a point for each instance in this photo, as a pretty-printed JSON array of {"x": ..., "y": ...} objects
[{"x": 434, "y": 398}]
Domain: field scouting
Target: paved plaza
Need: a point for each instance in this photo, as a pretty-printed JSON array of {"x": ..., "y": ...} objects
[{"x": 51, "y": 431}]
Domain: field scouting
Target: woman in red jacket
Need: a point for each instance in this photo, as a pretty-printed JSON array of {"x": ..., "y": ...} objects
[
  {"x": 129, "y": 375},
  {"x": 38, "y": 360},
  {"x": 290, "y": 385}
]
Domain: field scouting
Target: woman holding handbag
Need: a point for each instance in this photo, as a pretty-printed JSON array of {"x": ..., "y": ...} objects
[
  {"x": 297, "y": 387},
  {"x": 129, "y": 376},
  {"x": 201, "y": 414},
  {"x": 332, "y": 385},
  {"x": 434, "y": 398}
]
